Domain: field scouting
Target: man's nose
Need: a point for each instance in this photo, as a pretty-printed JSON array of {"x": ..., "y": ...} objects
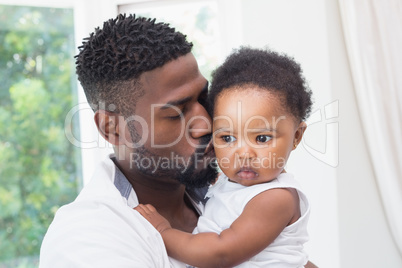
[{"x": 200, "y": 124}]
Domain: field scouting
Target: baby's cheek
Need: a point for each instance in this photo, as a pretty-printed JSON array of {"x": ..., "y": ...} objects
[{"x": 224, "y": 163}]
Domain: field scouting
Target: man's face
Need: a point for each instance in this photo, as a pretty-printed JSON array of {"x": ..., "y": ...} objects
[{"x": 171, "y": 126}]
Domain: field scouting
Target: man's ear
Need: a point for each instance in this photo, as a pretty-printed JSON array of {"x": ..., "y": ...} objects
[
  {"x": 299, "y": 134},
  {"x": 108, "y": 125}
]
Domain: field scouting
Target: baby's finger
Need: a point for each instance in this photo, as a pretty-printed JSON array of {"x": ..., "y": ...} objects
[
  {"x": 142, "y": 210},
  {"x": 150, "y": 208},
  {"x": 147, "y": 209}
]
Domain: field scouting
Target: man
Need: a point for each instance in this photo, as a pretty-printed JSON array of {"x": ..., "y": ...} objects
[
  {"x": 144, "y": 85},
  {"x": 148, "y": 95}
]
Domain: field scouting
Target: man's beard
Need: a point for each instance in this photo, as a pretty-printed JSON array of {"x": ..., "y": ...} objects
[{"x": 183, "y": 170}]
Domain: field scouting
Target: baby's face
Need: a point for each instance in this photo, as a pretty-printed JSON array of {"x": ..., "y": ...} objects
[{"x": 253, "y": 135}]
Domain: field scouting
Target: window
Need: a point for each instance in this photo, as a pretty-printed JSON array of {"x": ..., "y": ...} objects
[
  {"x": 197, "y": 19},
  {"x": 40, "y": 170}
]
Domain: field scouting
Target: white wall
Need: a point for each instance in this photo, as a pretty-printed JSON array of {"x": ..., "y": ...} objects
[
  {"x": 365, "y": 239},
  {"x": 347, "y": 225}
]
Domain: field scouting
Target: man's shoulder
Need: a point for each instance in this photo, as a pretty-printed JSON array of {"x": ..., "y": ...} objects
[
  {"x": 98, "y": 226},
  {"x": 99, "y": 206},
  {"x": 93, "y": 228}
]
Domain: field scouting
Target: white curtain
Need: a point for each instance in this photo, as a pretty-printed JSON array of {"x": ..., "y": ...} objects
[{"x": 373, "y": 34}]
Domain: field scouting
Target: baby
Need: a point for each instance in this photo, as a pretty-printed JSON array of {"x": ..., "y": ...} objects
[{"x": 257, "y": 214}]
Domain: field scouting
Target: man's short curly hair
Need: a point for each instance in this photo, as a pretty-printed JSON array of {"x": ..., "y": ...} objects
[
  {"x": 111, "y": 59},
  {"x": 279, "y": 74}
]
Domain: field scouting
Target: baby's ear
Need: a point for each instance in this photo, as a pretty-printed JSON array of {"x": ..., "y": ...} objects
[{"x": 299, "y": 133}]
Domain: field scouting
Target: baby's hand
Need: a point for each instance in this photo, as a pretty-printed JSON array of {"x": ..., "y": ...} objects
[{"x": 150, "y": 214}]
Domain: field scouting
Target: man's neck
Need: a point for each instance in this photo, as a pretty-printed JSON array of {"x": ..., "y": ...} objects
[
  {"x": 166, "y": 195},
  {"x": 173, "y": 204}
]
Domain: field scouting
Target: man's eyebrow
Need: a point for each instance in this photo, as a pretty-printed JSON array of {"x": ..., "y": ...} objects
[
  {"x": 176, "y": 103},
  {"x": 182, "y": 101}
]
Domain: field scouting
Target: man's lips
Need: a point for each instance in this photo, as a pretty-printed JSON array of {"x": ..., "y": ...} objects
[{"x": 247, "y": 173}]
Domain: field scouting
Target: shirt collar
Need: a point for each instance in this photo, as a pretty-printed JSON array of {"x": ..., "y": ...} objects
[{"x": 196, "y": 196}]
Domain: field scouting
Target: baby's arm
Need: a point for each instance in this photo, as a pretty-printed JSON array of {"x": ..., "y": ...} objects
[{"x": 262, "y": 220}]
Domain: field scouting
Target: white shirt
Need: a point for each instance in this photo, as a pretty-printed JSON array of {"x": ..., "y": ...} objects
[
  {"x": 227, "y": 202},
  {"x": 101, "y": 228}
]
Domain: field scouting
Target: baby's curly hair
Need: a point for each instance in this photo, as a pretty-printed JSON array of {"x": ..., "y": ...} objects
[
  {"x": 279, "y": 74},
  {"x": 111, "y": 60}
]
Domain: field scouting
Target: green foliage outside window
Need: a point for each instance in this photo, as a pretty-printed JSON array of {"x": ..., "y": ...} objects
[{"x": 38, "y": 166}]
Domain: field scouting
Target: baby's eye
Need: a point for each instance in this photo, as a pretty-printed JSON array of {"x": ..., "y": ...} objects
[
  {"x": 263, "y": 138},
  {"x": 228, "y": 138}
]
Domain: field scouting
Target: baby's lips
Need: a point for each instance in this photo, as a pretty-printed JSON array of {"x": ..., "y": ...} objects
[
  {"x": 247, "y": 173},
  {"x": 246, "y": 168}
]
